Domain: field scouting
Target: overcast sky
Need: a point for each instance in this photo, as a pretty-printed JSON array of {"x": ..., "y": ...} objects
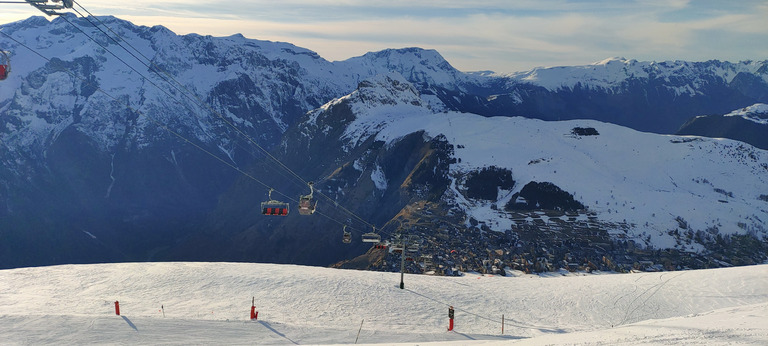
[{"x": 498, "y": 35}]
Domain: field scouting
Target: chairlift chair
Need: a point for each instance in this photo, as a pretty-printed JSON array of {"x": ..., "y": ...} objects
[
  {"x": 274, "y": 207},
  {"x": 347, "y": 238},
  {"x": 307, "y": 204},
  {"x": 5, "y": 65},
  {"x": 371, "y": 237},
  {"x": 50, "y": 7}
]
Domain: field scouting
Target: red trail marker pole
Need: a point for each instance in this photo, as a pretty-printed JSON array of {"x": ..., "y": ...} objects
[
  {"x": 117, "y": 308},
  {"x": 450, "y": 318},
  {"x": 254, "y": 313}
]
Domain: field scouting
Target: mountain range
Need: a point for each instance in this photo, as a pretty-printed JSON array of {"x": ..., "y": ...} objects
[{"x": 169, "y": 158}]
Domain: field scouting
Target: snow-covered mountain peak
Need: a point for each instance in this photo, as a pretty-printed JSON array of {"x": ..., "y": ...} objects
[
  {"x": 388, "y": 89},
  {"x": 425, "y": 66},
  {"x": 757, "y": 113},
  {"x": 613, "y": 60},
  {"x": 376, "y": 102}
]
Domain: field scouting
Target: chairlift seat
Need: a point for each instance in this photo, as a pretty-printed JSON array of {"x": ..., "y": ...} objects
[
  {"x": 274, "y": 208},
  {"x": 371, "y": 238}
]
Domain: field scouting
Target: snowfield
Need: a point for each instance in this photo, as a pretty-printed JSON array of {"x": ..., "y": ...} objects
[{"x": 209, "y": 303}]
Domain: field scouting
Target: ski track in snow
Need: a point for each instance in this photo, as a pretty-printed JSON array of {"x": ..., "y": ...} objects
[{"x": 207, "y": 303}]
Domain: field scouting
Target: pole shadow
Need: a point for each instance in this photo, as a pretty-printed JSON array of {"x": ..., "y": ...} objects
[
  {"x": 130, "y": 323},
  {"x": 268, "y": 326},
  {"x": 465, "y": 335}
]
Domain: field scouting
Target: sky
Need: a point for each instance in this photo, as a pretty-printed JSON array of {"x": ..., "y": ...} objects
[{"x": 497, "y": 35}]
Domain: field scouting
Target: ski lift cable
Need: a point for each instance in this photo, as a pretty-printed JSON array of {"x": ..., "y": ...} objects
[
  {"x": 166, "y": 92},
  {"x": 178, "y": 134},
  {"x": 157, "y": 122},
  {"x": 200, "y": 104},
  {"x": 178, "y": 86},
  {"x": 186, "y": 94},
  {"x": 123, "y": 47},
  {"x": 182, "y": 137},
  {"x": 455, "y": 308},
  {"x": 169, "y": 130}
]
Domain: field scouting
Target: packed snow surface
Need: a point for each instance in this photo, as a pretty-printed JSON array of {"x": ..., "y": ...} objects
[{"x": 207, "y": 303}]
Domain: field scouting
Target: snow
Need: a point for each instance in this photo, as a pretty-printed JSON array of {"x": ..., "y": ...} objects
[
  {"x": 205, "y": 303},
  {"x": 757, "y": 113},
  {"x": 416, "y": 64},
  {"x": 382, "y": 100},
  {"x": 379, "y": 179}
]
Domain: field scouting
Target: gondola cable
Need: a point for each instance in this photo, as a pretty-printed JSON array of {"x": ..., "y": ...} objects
[
  {"x": 186, "y": 94},
  {"x": 169, "y": 130},
  {"x": 200, "y": 104}
]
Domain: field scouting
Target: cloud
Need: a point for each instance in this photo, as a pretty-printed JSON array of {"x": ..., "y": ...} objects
[{"x": 500, "y": 35}]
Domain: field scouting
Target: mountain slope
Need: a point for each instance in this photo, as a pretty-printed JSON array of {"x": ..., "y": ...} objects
[{"x": 749, "y": 125}]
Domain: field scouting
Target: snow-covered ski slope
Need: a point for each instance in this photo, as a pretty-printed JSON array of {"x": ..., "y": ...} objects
[{"x": 209, "y": 303}]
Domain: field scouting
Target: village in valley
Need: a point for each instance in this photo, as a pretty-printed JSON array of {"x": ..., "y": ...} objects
[{"x": 538, "y": 242}]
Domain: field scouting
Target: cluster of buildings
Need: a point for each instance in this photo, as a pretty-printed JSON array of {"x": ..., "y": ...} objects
[{"x": 448, "y": 246}]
